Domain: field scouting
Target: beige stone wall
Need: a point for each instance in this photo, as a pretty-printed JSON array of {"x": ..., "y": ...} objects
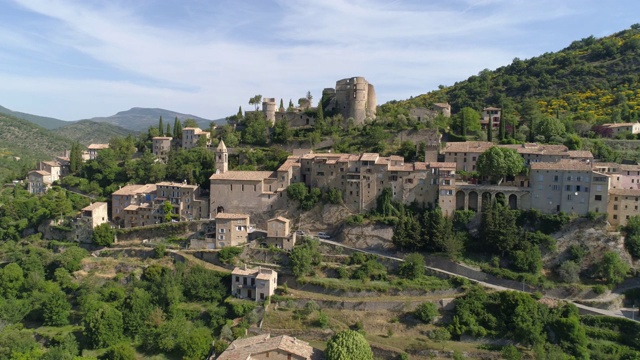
[
  {"x": 570, "y": 191},
  {"x": 231, "y": 232}
]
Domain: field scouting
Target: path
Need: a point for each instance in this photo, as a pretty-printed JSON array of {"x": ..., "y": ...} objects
[{"x": 619, "y": 313}]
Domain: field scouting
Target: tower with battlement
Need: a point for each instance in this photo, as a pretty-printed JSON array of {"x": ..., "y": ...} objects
[
  {"x": 354, "y": 98},
  {"x": 269, "y": 109}
]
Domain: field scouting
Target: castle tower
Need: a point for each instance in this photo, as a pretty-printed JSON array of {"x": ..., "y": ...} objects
[
  {"x": 356, "y": 99},
  {"x": 269, "y": 108},
  {"x": 222, "y": 158}
]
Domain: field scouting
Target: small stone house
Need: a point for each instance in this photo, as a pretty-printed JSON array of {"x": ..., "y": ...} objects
[
  {"x": 254, "y": 284},
  {"x": 279, "y": 233},
  {"x": 231, "y": 229},
  {"x": 264, "y": 346}
]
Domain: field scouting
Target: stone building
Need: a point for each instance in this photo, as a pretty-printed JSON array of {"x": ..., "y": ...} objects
[
  {"x": 623, "y": 203},
  {"x": 254, "y": 284},
  {"x": 191, "y": 136},
  {"x": 161, "y": 147},
  {"x": 570, "y": 186},
  {"x": 38, "y": 181},
  {"x": 279, "y": 233},
  {"x": 52, "y": 167},
  {"x": 90, "y": 216},
  {"x": 263, "y": 346},
  {"x": 136, "y": 199},
  {"x": 185, "y": 199},
  {"x": 615, "y": 129},
  {"x": 94, "y": 149},
  {"x": 490, "y": 115},
  {"x": 231, "y": 229}
]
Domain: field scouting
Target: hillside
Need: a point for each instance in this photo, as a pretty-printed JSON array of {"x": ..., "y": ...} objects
[
  {"x": 45, "y": 122},
  {"x": 86, "y": 132},
  {"x": 22, "y": 144},
  {"x": 139, "y": 119},
  {"x": 592, "y": 79}
]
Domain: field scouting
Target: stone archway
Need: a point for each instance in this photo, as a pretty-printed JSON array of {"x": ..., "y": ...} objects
[
  {"x": 513, "y": 201},
  {"x": 219, "y": 210},
  {"x": 460, "y": 196},
  {"x": 486, "y": 199},
  {"x": 473, "y": 201},
  {"x": 501, "y": 199}
]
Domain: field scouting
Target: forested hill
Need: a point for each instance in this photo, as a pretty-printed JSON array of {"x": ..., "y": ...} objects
[
  {"x": 87, "y": 132},
  {"x": 592, "y": 79}
]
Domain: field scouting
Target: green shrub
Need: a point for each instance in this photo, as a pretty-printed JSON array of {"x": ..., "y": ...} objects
[
  {"x": 599, "y": 289},
  {"x": 426, "y": 312},
  {"x": 227, "y": 254}
]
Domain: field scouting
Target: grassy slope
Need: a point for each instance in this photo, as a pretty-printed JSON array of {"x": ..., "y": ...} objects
[
  {"x": 45, "y": 122},
  {"x": 86, "y": 132}
]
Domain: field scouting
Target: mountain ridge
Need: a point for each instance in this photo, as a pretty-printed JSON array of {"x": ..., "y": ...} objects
[{"x": 140, "y": 119}]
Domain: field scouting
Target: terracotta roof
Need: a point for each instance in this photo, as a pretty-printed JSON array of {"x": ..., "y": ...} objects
[
  {"x": 97, "y": 146},
  {"x": 442, "y": 104},
  {"x": 51, "y": 163},
  {"x": 135, "y": 189},
  {"x": 580, "y": 154},
  {"x": 231, "y": 216},
  {"x": 441, "y": 165},
  {"x": 491, "y": 108},
  {"x": 468, "y": 146},
  {"x": 131, "y": 207},
  {"x": 280, "y": 218},
  {"x": 629, "y": 167},
  {"x": 94, "y": 206},
  {"x": 161, "y": 138},
  {"x": 243, "y": 175},
  {"x": 533, "y": 148},
  {"x": 288, "y": 164},
  {"x": 562, "y": 165},
  {"x": 40, "y": 172},
  {"x": 369, "y": 157},
  {"x": 243, "y": 349}
]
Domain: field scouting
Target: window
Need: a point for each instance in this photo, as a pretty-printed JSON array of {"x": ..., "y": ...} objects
[
  {"x": 569, "y": 197},
  {"x": 540, "y": 177},
  {"x": 237, "y": 278},
  {"x": 598, "y": 197},
  {"x": 555, "y": 187},
  {"x": 569, "y": 178},
  {"x": 556, "y": 178},
  {"x": 577, "y": 187},
  {"x": 615, "y": 216},
  {"x": 567, "y": 187},
  {"x": 598, "y": 187}
]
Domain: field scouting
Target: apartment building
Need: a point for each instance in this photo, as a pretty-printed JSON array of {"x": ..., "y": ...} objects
[
  {"x": 569, "y": 186},
  {"x": 136, "y": 200},
  {"x": 191, "y": 136},
  {"x": 162, "y": 147},
  {"x": 623, "y": 176},
  {"x": 231, "y": 229},
  {"x": 185, "y": 199},
  {"x": 254, "y": 284}
]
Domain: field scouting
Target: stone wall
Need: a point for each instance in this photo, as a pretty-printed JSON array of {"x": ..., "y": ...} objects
[{"x": 185, "y": 229}]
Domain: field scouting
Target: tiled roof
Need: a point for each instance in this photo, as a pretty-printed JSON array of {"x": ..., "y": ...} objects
[
  {"x": 136, "y": 189},
  {"x": 280, "y": 218},
  {"x": 442, "y": 165},
  {"x": 40, "y": 172},
  {"x": 161, "y": 138},
  {"x": 97, "y": 146},
  {"x": 580, "y": 154},
  {"x": 562, "y": 165},
  {"x": 369, "y": 157},
  {"x": 491, "y": 108},
  {"x": 231, "y": 216},
  {"x": 618, "y": 125},
  {"x": 131, "y": 207},
  {"x": 51, "y": 163},
  {"x": 243, "y": 175},
  {"x": 178, "y": 184},
  {"x": 468, "y": 146},
  {"x": 94, "y": 206},
  {"x": 242, "y": 349}
]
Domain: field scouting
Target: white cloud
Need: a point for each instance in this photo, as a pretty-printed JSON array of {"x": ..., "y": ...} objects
[{"x": 304, "y": 46}]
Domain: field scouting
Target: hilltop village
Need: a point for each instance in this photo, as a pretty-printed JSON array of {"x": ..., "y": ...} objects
[{"x": 283, "y": 248}]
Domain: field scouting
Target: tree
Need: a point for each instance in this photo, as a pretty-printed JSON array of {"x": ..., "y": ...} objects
[
  {"x": 281, "y": 108},
  {"x": 290, "y": 105},
  {"x": 255, "y": 101},
  {"x": 103, "y": 235},
  {"x": 195, "y": 345},
  {"x": 136, "y": 309},
  {"x": 103, "y": 327},
  {"x": 121, "y": 351},
  {"x": 75, "y": 158},
  {"x": 569, "y": 272},
  {"x": 177, "y": 128},
  {"x": 11, "y": 280},
  {"x": 612, "y": 269},
  {"x": 632, "y": 236},
  {"x": 426, "y": 312},
  {"x": 168, "y": 132},
  {"x": 201, "y": 284},
  {"x": 413, "y": 267},
  {"x": 498, "y": 162},
  {"x": 160, "y": 126},
  {"x": 304, "y": 257},
  {"x": 550, "y": 127},
  {"x": 56, "y": 308},
  {"x": 348, "y": 345},
  {"x": 309, "y": 97},
  {"x": 467, "y": 120},
  {"x": 281, "y": 132},
  {"x": 490, "y": 130},
  {"x": 240, "y": 114}
]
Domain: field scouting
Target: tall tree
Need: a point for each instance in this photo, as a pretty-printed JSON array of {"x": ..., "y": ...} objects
[
  {"x": 103, "y": 327},
  {"x": 160, "y": 126},
  {"x": 501, "y": 130},
  {"x": 290, "y": 105},
  {"x": 56, "y": 308},
  {"x": 177, "y": 128},
  {"x": 239, "y": 115},
  {"x": 281, "y": 105},
  {"x": 490, "y": 130},
  {"x": 168, "y": 132}
]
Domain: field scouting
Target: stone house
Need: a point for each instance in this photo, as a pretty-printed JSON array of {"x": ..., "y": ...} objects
[
  {"x": 490, "y": 115},
  {"x": 265, "y": 347},
  {"x": 231, "y": 229},
  {"x": 94, "y": 148},
  {"x": 38, "y": 181},
  {"x": 90, "y": 217},
  {"x": 185, "y": 199},
  {"x": 279, "y": 233},
  {"x": 191, "y": 136},
  {"x": 136, "y": 199},
  {"x": 253, "y": 283},
  {"x": 623, "y": 203},
  {"x": 615, "y": 129},
  {"x": 161, "y": 147}
]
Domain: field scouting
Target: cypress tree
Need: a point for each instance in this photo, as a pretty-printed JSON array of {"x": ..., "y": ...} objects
[
  {"x": 281, "y": 105},
  {"x": 160, "y": 126},
  {"x": 320, "y": 112},
  {"x": 290, "y": 105},
  {"x": 501, "y": 129},
  {"x": 177, "y": 129},
  {"x": 239, "y": 115},
  {"x": 463, "y": 124},
  {"x": 490, "y": 129},
  {"x": 168, "y": 133}
]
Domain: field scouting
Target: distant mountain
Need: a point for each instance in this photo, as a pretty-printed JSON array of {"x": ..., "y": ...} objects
[
  {"x": 87, "y": 132},
  {"x": 45, "y": 122},
  {"x": 139, "y": 119}
]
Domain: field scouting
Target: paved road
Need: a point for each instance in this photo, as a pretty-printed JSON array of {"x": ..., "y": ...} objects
[{"x": 619, "y": 313}]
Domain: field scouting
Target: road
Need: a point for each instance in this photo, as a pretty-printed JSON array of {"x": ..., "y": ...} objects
[{"x": 619, "y": 313}]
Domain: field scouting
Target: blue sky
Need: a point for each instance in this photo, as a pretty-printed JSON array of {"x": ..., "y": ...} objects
[{"x": 79, "y": 59}]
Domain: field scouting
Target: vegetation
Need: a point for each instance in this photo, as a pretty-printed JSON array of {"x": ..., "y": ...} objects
[{"x": 348, "y": 345}]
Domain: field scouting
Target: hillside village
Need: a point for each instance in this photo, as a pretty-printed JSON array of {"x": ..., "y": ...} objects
[{"x": 420, "y": 231}]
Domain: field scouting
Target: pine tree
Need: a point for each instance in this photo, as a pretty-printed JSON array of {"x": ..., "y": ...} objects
[{"x": 160, "y": 126}]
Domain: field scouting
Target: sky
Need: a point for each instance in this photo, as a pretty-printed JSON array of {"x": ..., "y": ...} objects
[{"x": 80, "y": 59}]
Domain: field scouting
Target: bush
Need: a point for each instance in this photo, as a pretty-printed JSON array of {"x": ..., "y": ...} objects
[
  {"x": 119, "y": 352},
  {"x": 599, "y": 289},
  {"x": 323, "y": 320},
  {"x": 348, "y": 345},
  {"x": 227, "y": 254},
  {"x": 354, "y": 220},
  {"x": 569, "y": 272},
  {"x": 159, "y": 251},
  {"x": 413, "y": 267},
  {"x": 426, "y": 312},
  {"x": 103, "y": 235},
  {"x": 578, "y": 251}
]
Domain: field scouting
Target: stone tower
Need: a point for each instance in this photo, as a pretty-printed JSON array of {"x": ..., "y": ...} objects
[
  {"x": 222, "y": 158},
  {"x": 355, "y": 98},
  {"x": 432, "y": 149},
  {"x": 269, "y": 109}
]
